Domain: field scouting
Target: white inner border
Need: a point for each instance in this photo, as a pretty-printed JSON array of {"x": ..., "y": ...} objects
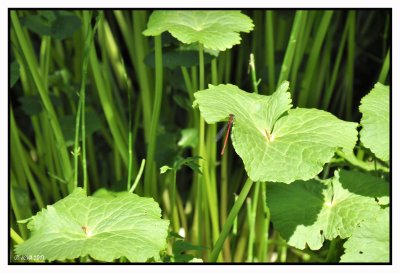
[{"x": 5, "y": 4}]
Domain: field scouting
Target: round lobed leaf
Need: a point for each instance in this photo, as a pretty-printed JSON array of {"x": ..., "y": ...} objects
[
  {"x": 370, "y": 241},
  {"x": 375, "y": 121},
  {"x": 308, "y": 212},
  {"x": 276, "y": 143},
  {"x": 215, "y": 29},
  {"x": 106, "y": 228}
]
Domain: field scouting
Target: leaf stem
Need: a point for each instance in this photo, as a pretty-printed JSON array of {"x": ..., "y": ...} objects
[
  {"x": 229, "y": 221},
  {"x": 332, "y": 252},
  {"x": 15, "y": 236},
  {"x": 294, "y": 35},
  {"x": 265, "y": 225},
  {"x": 253, "y": 74},
  {"x": 138, "y": 176},
  {"x": 173, "y": 199},
  {"x": 353, "y": 160}
]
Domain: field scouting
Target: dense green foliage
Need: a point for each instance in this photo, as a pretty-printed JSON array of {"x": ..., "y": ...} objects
[{"x": 113, "y": 119}]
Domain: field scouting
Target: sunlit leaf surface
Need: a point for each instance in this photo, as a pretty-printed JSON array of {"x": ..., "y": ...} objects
[
  {"x": 309, "y": 212},
  {"x": 215, "y": 29},
  {"x": 106, "y": 228},
  {"x": 375, "y": 121},
  {"x": 275, "y": 142},
  {"x": 370, "y": 241}
]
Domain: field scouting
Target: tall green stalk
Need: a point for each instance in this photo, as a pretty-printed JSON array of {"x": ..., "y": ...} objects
[
  {"x": 385, "y": 69},
  {"x": 89, "y": 33},
  {"x": 263, "y": 245},
  {"x": 270, "y": 48},
  {"x": 150, "y": 183},
  {"x": 291, "y": 47},
  {"x": 229, "y": 221},
  {"x": 306, "y": 97},
  {"x": 40, "y": 85}
]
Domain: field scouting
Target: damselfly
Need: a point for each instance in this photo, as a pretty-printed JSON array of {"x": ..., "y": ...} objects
[{"x": 226, "y": 128}]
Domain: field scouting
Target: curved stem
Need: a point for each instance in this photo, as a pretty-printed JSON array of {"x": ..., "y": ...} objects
[
  {"x": 15, "y": 236},
  {"x": 138, "y": 176}
]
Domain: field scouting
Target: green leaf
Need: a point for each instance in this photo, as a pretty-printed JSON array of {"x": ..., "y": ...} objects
[
  {"x": 32, "y": 105},
  {"x": 65, "y": 25},
  {"x": 375, "y": 121},
  {"x": 22, "y": 201},
  {"x": 370, "y": 241},
  {"x": 68, "y": 126},
  {"x": 57, "y": 24},
  {"x": 167, "y": 148},
  {"x": 14, "y": 73},
  {"x": 176, "y": 58},
  {"x": 180, "y": 246},
  {"x": 164, "y": 169},
  {"x": 106, "y": 193},
  {"x": 175, "y": 235},
  {"x": 38, "y": 24},
  {"x": 276, "y": 143},
  {"x": 215, "y": 29},
  {"x": 104, "y": 228},
  {"x": 191, "y": 162},
  {"x": 308, "y": 212},
  {"x": 189, "y": 138}
]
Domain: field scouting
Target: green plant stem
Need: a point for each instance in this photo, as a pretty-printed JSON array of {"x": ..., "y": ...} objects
[
  {"x": 18, "y": 151},
  {"x": 130, "y": 129},
  {"x": 251, "y": 230},
  {"x": 253, "y": 206},
  {"x": 150, "y": 184},
  {"x": 224, "y": 202},
  {"x": 349, "y": 78},
  {"x": 265, "y": 225},
  {"x": 173, "y": 200},
  {"x": 305, "y": 27},
  {"x": 19, "y": 210},
  {"x": 37, "y": 78},
  {"x": 111, "y": 114},
  {"x": 15, "y": 236},
  {"x": 282, "y": 250},
  {"x": 76, "y": 151},
  {"x": 291, "y": 47},
  {"x": 311, "y": 68},
  {"x": 353, "y": 160},
  {"x": 203, "y": 152},
  {"x": 89, "y": 33},
  {"x": 270, "y": 48},
  {"x": 329, "y": 91},
  {"x": 45, "y": 53},
  {"x": 332, "y": 253},
  {"x": 253, "y": 74},
  {"x": 385, "y": 69},
  {"x": 234, "y": 228},
  {"x": 137, "y": 45},
  {"x": 188, "y": 82},
  {"x": 252, "y": 222},
  {"x": 229, "y": 221},
  {"x": 138, "y": 176}
]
